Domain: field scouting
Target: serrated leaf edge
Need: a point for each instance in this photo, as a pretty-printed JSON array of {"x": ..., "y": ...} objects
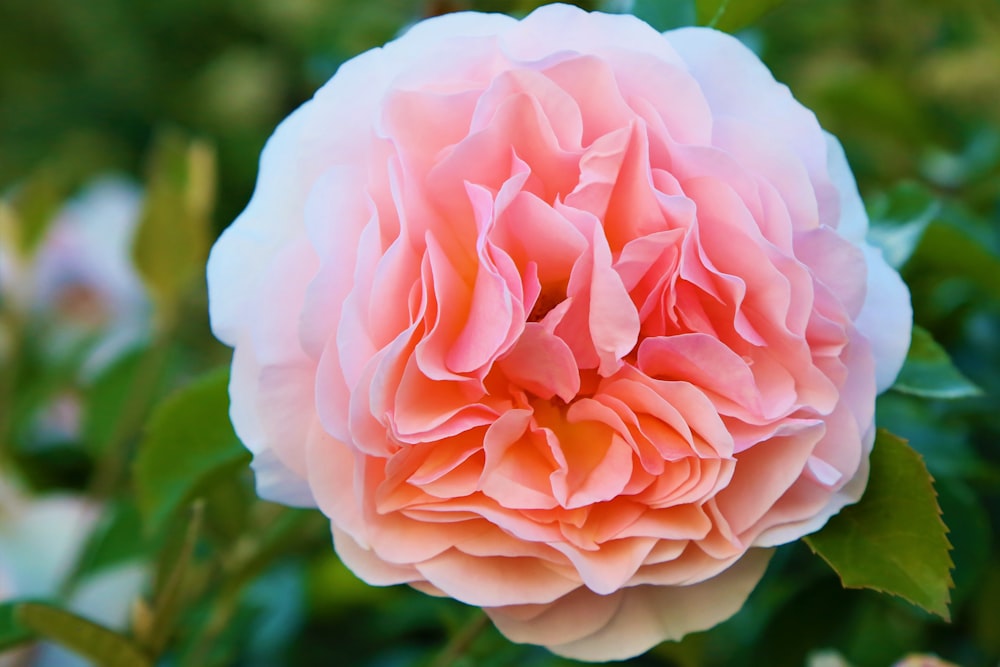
[{"x": 945, "y": 612}]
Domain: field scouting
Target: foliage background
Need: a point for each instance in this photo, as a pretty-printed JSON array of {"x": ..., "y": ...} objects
[{"x": 912, "y": 88}]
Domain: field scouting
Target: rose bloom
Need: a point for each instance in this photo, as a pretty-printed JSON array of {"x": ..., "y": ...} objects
[{"x": 559, "y": 317}]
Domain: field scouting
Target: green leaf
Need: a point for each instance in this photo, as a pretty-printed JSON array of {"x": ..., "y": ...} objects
[
  {"x": 188, "y": 440},
  {"x": 106, "y": 399},
  {"x": 893, "y": 540},
  {"x": 928, "y": 371},
  {"x": 957, "y": 245},
  {"x": 12, "y": 631},
  {"x": 732, "y": 15},
  {"x": 898, "y": 221},
  {"x": 35, "y": 204},
  {"x": 95, "y": 642},
  {"x": 661, "y": 14},
  {"x": 172, "y": 241}
]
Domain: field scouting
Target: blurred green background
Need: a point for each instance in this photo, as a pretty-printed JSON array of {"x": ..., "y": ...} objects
[{"x": 911, "y": 87}]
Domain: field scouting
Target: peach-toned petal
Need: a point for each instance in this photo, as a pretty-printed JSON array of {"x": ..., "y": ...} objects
[
  {"x": 578, "y": 614},
  {"x": 498, "y": 581},
  {"x": 649, "y": 615},
  {"x": 614, "y": 322},
  {"x": 542, "y": 364},
  {"x": 369, "y": 567},
  {"x": 609, "y": 567}
]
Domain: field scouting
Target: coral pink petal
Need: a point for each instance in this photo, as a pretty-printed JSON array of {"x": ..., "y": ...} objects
[
  {"x": 495, "y": 582},
  {"x": 648, "y": 615}
]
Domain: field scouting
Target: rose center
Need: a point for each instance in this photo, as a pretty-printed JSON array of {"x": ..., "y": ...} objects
[{"x": 546, "y": 301}]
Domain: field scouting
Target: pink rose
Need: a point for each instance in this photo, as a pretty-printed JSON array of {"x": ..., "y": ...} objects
[{"x": 560, "y": 317}]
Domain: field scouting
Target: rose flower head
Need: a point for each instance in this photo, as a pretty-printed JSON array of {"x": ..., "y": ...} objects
[{"x": 560, "y": 317}]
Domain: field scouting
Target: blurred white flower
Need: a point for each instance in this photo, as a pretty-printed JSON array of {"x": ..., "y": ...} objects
[
  {"x": 41, "y": 540},
  {"x": 81, "y": 280}
]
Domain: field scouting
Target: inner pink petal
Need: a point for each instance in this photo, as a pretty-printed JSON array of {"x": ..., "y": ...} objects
[
  {"x": 543, "y": 364},
  {"x": 598, "y": 463}
]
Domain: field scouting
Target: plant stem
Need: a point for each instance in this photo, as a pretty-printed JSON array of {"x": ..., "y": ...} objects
[{"x": 461, "y": 641}]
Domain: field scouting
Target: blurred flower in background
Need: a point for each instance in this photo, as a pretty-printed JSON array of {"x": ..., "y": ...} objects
[
  {"x": 76, "y": 295},
  {"x": 80, "y": 283},
  {"x": 42, "y": 540}
]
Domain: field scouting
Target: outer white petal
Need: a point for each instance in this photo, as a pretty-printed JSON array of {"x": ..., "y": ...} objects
[
  {"x": 277, "y": 483},
  {"x": 736, "y": 83},
  {"x": 273, "y": 215},
  {"x": 886, "y": 318}
]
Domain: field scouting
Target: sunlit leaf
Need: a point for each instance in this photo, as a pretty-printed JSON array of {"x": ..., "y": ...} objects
[
  {"x": 174, "y": 232},
  {"x": 732, "y": 15},
  {"x": 35, "y": 204},
  {"x": 893, "y": 540},
  {"x": 95, "y": 642},
  {"x": 188, "y": 440},
  {"x": 928, "y": 371}
]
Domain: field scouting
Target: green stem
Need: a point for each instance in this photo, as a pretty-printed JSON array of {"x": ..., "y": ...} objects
[
  {"x": 723, "y": 6},
  {"x": 222, "y": 613},
  {"x": 461, "y": 641}
]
